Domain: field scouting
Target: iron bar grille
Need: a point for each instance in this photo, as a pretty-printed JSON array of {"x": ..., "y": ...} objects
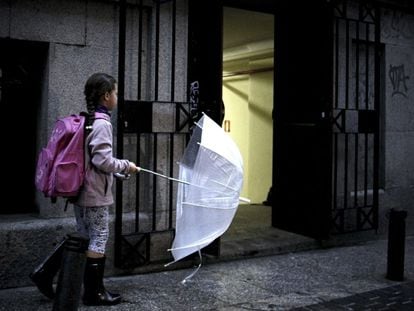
[
  {"x": 355, "y": 116},
  {"x": 153, "y": 127}
]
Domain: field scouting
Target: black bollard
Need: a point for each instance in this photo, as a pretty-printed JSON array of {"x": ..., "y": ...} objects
[
  {"x": 70, "y": 279},
  {"x": 396, "y": 245}
]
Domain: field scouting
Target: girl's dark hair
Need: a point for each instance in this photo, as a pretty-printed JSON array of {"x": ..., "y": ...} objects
[{"x": 97, "y": 85}]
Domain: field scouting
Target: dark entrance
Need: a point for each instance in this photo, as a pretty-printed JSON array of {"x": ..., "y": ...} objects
[
  {"x": 302, "y": 138},
  {"x": 326, "y": 143},
  {"x": 21, "y": 75}
]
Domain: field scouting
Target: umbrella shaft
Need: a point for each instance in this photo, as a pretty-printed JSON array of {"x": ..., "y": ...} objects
[
  {"x": 244, "y": 200},
  {"x": 164, "y": 176}
]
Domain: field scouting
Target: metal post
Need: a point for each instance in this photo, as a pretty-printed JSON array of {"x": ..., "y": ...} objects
[
  {"x": 396, "y": 245},
  {"x": 71, "y": 273}
]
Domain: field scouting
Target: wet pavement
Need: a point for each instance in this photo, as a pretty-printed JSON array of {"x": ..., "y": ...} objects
[
  {"x": 338, "y": 278},
  {"x": 397, "y": 297}
]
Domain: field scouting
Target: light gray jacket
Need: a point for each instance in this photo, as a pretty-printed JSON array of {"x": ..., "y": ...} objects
[{"x": 100, "y": 165}]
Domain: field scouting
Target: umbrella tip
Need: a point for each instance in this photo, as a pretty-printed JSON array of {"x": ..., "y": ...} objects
[{"x": 244, "y": 200}]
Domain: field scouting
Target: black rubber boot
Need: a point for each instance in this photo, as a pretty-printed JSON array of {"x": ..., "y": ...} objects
[
  {"x": 44, "y": 274},
  {"x": 95, "y": 293}
]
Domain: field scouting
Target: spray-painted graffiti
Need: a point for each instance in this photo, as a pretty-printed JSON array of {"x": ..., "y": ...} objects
[
  {"x": 398, "y": 80},
  {"x": 194, "y": 100},
  {"x": 194, "y": 91}
]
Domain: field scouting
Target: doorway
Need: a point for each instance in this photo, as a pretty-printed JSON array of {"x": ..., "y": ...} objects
[
  {"x": 22, "y": 65},
  {"x": 293, "y": 146},
  {"x": 248, "y": 94},
  {"x": 248, "y": 50}
]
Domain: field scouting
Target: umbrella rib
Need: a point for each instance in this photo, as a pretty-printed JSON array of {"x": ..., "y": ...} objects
[
  {"x": 221, "y": 184},
  {"x": 196, "y": 123},
  {"x": 206, "y": 188},
  {"x": 220, "y": 155},
  {"x": 207, "y": 206},
  {"x": 186, "y": 182}
]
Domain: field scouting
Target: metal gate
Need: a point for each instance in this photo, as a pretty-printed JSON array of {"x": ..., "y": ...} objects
[
  {"x": 153, "y": 127},
  {"x": 356, "y": 116}
]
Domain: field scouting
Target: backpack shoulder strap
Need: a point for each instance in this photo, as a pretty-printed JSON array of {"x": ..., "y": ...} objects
[{"x": 89, "y": 120}]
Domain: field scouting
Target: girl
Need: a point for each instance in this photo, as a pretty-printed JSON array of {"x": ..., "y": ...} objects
[{"x": 92, "y": 205}]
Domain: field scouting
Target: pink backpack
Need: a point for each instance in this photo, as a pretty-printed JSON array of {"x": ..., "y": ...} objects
[{"x": 60, "y": 167}]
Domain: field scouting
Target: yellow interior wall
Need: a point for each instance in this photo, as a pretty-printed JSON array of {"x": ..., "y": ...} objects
[
  {"x": 235, "y": 97},
  {"x": 260, "y": 135},
  {"x": 248, "y": 103}
]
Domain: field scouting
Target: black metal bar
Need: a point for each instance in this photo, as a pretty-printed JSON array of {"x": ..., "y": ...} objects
[
  {"x": 148, "y": 247},
  {"x": 357, "y": 66},
  {"x": 366, "y": 170},
  {"x": 335, "y": 175},
  {"x": 120, "y": 125},
  {"x": 137, "y": 184},
  {"x": 154, "y": 185},
  {"x": 141, "y": 8},
  {"x": 157, "y": 48},
  {"x": 170, "y": 206},
  {"x": 330, "y": 106},
  {"x": 173, "y": 34},
  {"x": 367, "y": 67},
  {"x": 346, "y": 171},
  {"x": 356, "y": 205},
  {"x": 173, "y": 30},
  {"x": 347, "y": 65},
  {"x": 336, "y": 63},
  {"x": 377, "y": 107},
  {"x": 356, "y": 170}
]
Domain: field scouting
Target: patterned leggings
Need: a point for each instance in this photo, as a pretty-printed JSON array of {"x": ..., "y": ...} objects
[{"x": 92, "y": 223}]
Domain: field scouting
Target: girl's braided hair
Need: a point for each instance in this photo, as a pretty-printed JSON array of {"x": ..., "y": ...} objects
[{"x": 97, "y": 85}]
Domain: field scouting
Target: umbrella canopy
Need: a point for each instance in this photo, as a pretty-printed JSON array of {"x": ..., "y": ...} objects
[{"x": 211, "y": 172}]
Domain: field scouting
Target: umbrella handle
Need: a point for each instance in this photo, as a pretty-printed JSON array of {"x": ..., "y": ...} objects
[
  {"x": 122, "y": 176},
  {"x": 163, "y": 176}
]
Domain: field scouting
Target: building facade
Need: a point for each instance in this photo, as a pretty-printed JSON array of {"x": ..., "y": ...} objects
[{"x": 340, "y": 165}]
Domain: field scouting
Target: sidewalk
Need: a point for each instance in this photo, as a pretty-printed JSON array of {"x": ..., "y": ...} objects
[{"x": 339, "y": 278}]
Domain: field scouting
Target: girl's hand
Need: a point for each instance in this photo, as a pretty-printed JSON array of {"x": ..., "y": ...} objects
[{"x": 133, "y": 168}]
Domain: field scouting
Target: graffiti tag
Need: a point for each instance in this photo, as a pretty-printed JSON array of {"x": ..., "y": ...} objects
[{"x": 398, "y": 80}]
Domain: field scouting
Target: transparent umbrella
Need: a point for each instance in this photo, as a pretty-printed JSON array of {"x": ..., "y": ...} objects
[{"x": 211, "y": 175}]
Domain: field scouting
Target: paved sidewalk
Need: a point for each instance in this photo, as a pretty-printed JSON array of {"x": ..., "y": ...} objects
[
  {"x": 397, "y": 297},
  {"x": 340, "y": 278}
]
